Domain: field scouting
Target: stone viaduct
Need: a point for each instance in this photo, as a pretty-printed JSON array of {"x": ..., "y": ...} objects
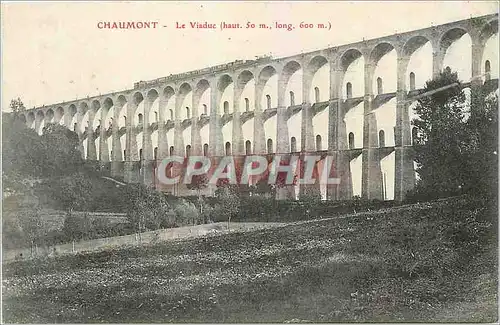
[{"x": 129, "y": 131}]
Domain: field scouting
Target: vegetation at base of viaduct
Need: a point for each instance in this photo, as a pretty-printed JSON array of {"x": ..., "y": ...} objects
[{"x": 455, "y": 151}]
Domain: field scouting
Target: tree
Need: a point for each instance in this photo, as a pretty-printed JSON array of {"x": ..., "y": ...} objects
[
  {"x": 16, "y": 106},
  {"x": 77, "y": 227},
  {"x": 229, "y": 201},
  {"x": 60, "y": 154},
  {"x": 483, "y": 144},
  {"x": 71, "y": 192},
  {"x": 441, "y": 150},
  {"x": 21, "y": 148},
  {"x": 198, "y": 183},
  {"x": 146, "y": 207},
  {"x": 32, "y": 226},
  {"x": 54, "y": 153}
]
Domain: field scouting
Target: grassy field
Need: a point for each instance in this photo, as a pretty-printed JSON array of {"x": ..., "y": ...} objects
[{"x": 419, "y": 263}]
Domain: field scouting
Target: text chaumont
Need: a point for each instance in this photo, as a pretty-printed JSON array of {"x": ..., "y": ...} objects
[{"x": 127, "y": 24}]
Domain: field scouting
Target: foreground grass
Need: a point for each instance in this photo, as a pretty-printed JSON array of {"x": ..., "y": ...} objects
[{"x": 427, "y": 262}]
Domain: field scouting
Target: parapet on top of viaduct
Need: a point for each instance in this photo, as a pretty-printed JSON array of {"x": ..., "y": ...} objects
[{"x": 339, "y": 57}]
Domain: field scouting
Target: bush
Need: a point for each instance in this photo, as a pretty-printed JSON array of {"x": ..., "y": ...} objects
[
  {"x": 78, "y": 227},
  {"x": 186, "y": 213},
  {"x": 147, "y": 208},
  {"x": 229, "y": 202}
]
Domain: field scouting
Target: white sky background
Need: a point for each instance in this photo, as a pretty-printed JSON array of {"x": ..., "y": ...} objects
[{"x": 54, "y": 51}]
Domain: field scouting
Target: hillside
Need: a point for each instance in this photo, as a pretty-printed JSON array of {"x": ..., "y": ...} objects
[{"x": 418, "y": 263}]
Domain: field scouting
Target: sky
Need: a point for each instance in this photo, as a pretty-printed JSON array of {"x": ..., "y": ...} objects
[{"x": 54, "y": 52}]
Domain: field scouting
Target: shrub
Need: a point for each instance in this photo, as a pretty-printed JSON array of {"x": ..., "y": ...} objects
[
  {"x": 186, "y": 213},
  {"x": 229, "y": 202}
]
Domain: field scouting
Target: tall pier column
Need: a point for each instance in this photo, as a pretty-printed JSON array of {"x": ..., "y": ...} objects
[
  {"x": 215, "y": 146},
  {"x": 117, "y": 152},
  {"x": 104, "y": 156},
  {"x": 437, "y": 57},
  {"x": 337, "y": 134},
  {"x": 162, "y": 132},
  {"x": 131, "y": 175},
  {"x": 147, "y": 145},
  {"x": 237, "y": 145},
  {"x": 404, "y": 174},
  {"x": 371, "y": 172},
  {"x": 91, "y": 149},
  {"x": 259, "y": 137},
  {"x": 477, "y": 49},
  {"x": 307, "y": 132},
  {"x": 196, "y": 146},
  {"x": 282, "y": 137}
]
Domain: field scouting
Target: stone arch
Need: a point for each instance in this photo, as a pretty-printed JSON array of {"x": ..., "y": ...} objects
[
  {"x": 168, "y": 103},
  {"x": 270, "y": 148},
  {"x": 84, "y": 117},
  {"x": 489, "y": 39},
  {"x": 319, "y": 145},
  {"x": 226, "y": 107},
  {"x": 228, "y": 148},
  {"x": 73, "y": 117},
  {"x": 292, "y": 98},
  {"x": 226, "y": 94},
  {"x": 380, "y": 89},
  {"x": 202, "y": 97},
  {"x": 265, "y": 74},
  {"x": 22, "y": 118},
  {"x": 96, "y": 108},
  {"x": 413, "y": 44},
  {"x": 487, "y": 69},
  {"x": 293, "y": 144},
  {"x": 350, "y": 61},
  {"x": 245, "y": 84},
  {"x": 31, "y": 119},
  {"x": 152, "y": 97},
  {"x": 381, "y": 138},
  {"x": 122, "y": 114},
  {"x": 412, "y": 80},
  {"x": 383, "y": 61},
  {"x": 414, "y": 135},
  {"x": 348, "y": 57},
  {"x": 351, "y": 140},
  {"x": 49, "y": 116},
  {"x": 488, "y": 30},
  {"x": 205, "y": 149},
  {"x": 291, "y": 78},
  {"x": 184, "y": 90},
  {"x": 418, "y": 53},
  {"x": 318, "y": 72},
  {"x": 248, "y": 147},
  {"x": 138, "y": 109},
  {"x": 451, "y": 38},
  {"x": 40, "y": 118},
  {"x": 348, "y": 90},
  {"x": 59, "y": 115},
  {"x": 108, "y": 113}
]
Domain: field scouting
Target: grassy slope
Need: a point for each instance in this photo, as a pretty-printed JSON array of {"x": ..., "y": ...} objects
[{"x": 405, "y": 264}]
